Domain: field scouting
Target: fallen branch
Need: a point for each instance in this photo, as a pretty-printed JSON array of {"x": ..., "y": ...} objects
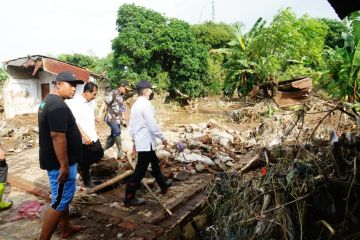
[
  {"x": 328, "y": 226},
  {"x": 249, "y": 163},
  {"x": 318, "y": 125},
  {"x": 274, "y": 209}
]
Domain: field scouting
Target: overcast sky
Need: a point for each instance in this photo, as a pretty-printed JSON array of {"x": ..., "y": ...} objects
[{"x": 53, "y": 27}]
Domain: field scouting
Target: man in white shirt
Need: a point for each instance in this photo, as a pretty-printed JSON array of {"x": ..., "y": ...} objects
[
  {"x": 144, "y": 130},
  {"x": 83, "y": 110}
]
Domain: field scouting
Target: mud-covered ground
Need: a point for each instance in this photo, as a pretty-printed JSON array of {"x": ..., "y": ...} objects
[{"x": 254, "y": 124}]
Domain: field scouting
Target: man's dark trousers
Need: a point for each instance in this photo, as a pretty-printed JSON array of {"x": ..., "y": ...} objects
[{"x": 144, "y": 159}]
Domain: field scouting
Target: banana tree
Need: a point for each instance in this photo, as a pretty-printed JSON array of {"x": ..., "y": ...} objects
[
  {"x": 239, "y": 64},
  {"x": 347, "y": 77}
]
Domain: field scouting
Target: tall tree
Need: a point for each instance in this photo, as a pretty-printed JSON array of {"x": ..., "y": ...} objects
[
  {"x": 150, "y": 45},
  {"x": 240, "y": 65},
  {"x": 288, "y": 40},
  {"x": 213, "y": 35}
]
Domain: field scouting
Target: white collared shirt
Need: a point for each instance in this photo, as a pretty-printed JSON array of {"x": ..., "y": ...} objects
[
  {"x": 84, "y": 113},
  {"x": 142, "y": 126}
]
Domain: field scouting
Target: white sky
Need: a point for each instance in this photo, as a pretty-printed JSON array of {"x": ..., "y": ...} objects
[{"x": 53, "y": 27}]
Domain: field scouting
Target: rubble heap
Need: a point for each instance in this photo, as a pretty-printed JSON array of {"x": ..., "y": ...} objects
[{"x": 294, "y": 189}]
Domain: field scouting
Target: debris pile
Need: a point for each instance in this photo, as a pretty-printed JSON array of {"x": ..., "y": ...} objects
[
  {"x": 303, "y": 189},
  {"x": 285, "y": 93},
  {"x": 18, "y": 134}
]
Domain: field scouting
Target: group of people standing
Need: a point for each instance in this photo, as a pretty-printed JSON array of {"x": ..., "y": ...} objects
[{"x": 69, "y": 143}]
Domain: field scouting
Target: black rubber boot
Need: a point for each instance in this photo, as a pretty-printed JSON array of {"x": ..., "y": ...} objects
[
  {"x": 168, "y": 183},
  {"x": 134, "y": 202},
  {"x": 86, "y": 178},
  {"x": 130, "y": 198},
  {"x": 110, "y": 140}
]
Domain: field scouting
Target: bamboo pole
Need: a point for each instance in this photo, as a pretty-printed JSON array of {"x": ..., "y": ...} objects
[{"x": 111, "y": 181}]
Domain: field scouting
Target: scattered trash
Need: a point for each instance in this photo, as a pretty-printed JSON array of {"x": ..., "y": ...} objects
[{"x": 27, "y": 209}]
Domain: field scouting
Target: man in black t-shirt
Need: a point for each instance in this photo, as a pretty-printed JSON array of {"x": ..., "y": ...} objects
[{"x": 60, "y": 148}]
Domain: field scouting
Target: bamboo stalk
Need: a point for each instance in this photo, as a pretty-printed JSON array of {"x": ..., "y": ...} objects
[{"x": 111, "y": 181}]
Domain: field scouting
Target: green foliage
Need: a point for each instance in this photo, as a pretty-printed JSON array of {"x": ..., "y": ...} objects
[
  {"x": 80, "y": 60},
  {"x": 102, "y": 66},
  {"x": 288, "y": 38},
  {"x": 163, "y": 50},
  {"x": 216, "y": 75},
  {"x": 288, "y": 47},
  {"x": 299, "y": 70},
  {"x": 162, "y": 81},
  {"x": 213, "y": 35},
  {"x": 333, "y": 37},
  {"x": 3, "y": 74},
  {"x": 343, "y": 77},
  {"x": 239, "y": 64}
]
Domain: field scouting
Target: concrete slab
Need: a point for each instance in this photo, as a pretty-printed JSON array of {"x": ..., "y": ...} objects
[{"x": 25, "y": 173}]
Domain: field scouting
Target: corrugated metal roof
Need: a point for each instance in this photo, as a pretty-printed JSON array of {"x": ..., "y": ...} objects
[
  {"x": 54, "y": 66},
  {"x": 49, "y": 64},
  {"x": 18, "y": 62}
]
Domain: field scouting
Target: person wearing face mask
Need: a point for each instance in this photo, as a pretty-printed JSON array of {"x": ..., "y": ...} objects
[
  {"x": 83, "y": 109},
  {"x": 143, "y": 130}
]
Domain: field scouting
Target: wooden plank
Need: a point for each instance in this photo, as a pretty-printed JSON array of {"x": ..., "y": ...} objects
[
  {"x": 289, "y": 102},
  {"x": 285, "y": 99},
  {"x": 296, "y": 94},
  {"x": 27, "y": 186},
  {"x": 183, "y": 194},
  {"x": 302, "y": 83},
  {"x": 182, "y": 213}
]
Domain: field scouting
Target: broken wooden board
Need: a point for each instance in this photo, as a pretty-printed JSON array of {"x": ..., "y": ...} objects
[
  {"x": 286, "y": 99},
  {"x": 298, "y": 83},
  {"x": 293, "y": 92},
  {"x": 183, "y": 199}
]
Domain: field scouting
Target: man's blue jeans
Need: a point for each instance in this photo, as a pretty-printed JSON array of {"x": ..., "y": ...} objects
[{"x": 115, "y": 128}]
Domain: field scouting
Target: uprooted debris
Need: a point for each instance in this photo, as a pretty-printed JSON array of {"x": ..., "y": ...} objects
[
  {"x": 19, "y": 133},
  {"x": 285, "y": 93},
  {"x": 280, "y": 176},
  {"x": 305, "y": 189}
]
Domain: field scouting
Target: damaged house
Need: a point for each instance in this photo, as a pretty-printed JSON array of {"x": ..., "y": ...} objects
[{"x": 31, "y": 79}]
